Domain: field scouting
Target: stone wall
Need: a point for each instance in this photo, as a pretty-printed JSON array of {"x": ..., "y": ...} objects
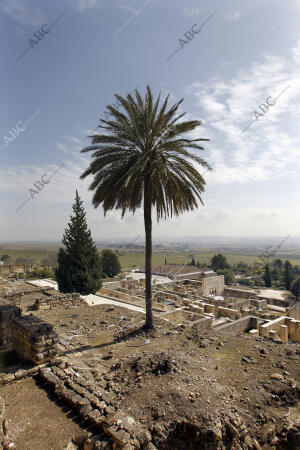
[
  {"x": 8, "y": 269},
  {"x": 33, "y": 339},
  {"x": 18, "y": 294},
  {"x": 59, "y": 299},
  {"x": 238, "y": 326},
  {"x": 213, "y": 285},
  {"x": 174, "y": 315},
  {"x": 7, "y": 312},
  {"x": 232, "y": 314},
  {"x": 276, "y": 301},
  {"x": 283, "y": 327},
  {"x": 189, "y": 276},
  {"x": 295, "y": 311},
  {"x": 206, "y": 323},
  {"x": 239, "y": 293}
]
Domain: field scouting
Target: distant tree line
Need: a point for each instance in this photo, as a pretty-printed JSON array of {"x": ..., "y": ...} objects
[
  {"x": 283, "y": 275},
  {"x": 220, "y": 265},
  {"x": 277, "y": 274}
]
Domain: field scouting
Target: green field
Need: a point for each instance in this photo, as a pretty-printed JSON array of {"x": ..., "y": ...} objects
[
  {"x": 130, "y": 260},
  {"x": 34, "y": 256}
]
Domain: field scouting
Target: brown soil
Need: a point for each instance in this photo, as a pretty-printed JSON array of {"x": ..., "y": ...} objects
[
  {"x": 178, "y": 374},
  {"x": 35, "y": 421},
  {"x": 170, "y": 380}
]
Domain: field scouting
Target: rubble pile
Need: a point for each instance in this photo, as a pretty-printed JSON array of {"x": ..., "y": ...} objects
[
  {"x": 59, "y": 300},
  {"x": 96, "y": 405}
]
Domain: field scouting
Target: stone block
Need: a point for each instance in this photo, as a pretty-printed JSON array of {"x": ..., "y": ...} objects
[
  {"x": 9, "y": 378},
  {"x": 19, "y": 374},
  {"x": 283, "y": 333},
  {"x": 120, "y": 437},
  {"x": 273, "y": 334},
  {"x": 254, "y": 332}
]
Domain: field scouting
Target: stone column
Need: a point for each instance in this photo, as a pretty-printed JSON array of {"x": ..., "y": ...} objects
[
  {"x": 263, "y": 331},
  {"x": 297, "y": 331},
  {"x": 292, "y": 329},
  {"x": 283, "y": 333},
  {"x": 210, "y": 309}
]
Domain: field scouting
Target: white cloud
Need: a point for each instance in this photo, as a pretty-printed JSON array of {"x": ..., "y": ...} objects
[
  {"x": 62, "y": 147},
  {"x": 126, "y": 7},
  {"x": 82, "y": 5},
  {"x": 269, "y": 149},
  {"x": 22, "y": 12},
  {"x": 191, "y": 12},
  {"x": 296, "y": 53},
  {"x": 216, "y": 215},
  {"x": 233, "y": 16},
  {"x": 266, "y": 215},
  {"x": 74, "y": 139}
]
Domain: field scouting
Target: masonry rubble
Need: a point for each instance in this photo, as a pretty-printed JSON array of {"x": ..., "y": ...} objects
[
  {"x": 96, "y": 405},
  {"x": 31, "y": 338},
  {"x": 53, "y": 299}
]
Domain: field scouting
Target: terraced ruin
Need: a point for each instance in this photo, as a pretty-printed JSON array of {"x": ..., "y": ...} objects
[{"x": 218, "y": 372}]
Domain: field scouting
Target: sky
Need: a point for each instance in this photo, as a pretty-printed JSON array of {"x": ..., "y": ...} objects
[{"x": 235, "y": 63}]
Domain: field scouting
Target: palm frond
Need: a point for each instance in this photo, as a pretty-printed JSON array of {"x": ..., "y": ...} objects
[{"x": 144, "y": 141}]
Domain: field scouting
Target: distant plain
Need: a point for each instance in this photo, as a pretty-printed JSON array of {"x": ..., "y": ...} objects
[{"x": 134, "y": 257}]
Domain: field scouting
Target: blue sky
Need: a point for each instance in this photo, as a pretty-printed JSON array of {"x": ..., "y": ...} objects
[{"x": 248, "y": 52}]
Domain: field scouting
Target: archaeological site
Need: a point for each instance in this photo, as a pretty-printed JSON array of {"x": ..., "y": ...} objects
[
  {"x": 221, "y": 369},
  {"x": 150, "y": 245}
]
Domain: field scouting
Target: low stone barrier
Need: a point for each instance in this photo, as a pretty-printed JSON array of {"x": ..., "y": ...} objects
[
  {"x": 97, "y": 406},
  {"x": 206, "y": 323},
  {"x": 26, "y": 292},
  {"x": 19, "y": 374},
  {"x": 241, "y": 325},
  {"x": 59, "y": 299}
]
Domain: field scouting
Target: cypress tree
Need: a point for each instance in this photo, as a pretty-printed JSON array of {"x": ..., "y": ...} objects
[
  {"x": 278, "y": 264},
  {"x": 295, "y": 289},
  {"x": 79, "y": 264},
  {"x": 288, "y": 275},
  {"x": 110, "y": 263},
  {"x": 267, "y": 276}
]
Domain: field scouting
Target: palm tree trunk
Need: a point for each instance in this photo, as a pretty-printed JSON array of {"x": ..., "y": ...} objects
[{"x": 148, "y": 254}]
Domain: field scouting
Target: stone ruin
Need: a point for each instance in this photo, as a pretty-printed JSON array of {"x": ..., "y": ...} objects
[
  {"x": 53, "y": 299},
  {"x": 199, "y": 303},
  {"x": 30, "y": 337},
  {"x": 97, "y": 406},
  {"x": 7, "y": 312}
]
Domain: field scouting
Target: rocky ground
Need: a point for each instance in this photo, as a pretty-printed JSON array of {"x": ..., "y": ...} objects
[{"x": 191, "y": 390}]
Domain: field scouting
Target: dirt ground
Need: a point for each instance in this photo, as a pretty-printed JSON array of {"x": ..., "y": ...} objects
[
  {"x": 171, "y": 376},
  {"x": 179, "y": 374},
  {"x": 36, "y": 422}
]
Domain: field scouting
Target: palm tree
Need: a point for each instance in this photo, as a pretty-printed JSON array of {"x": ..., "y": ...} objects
[{"x": 142, "y": 159}]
